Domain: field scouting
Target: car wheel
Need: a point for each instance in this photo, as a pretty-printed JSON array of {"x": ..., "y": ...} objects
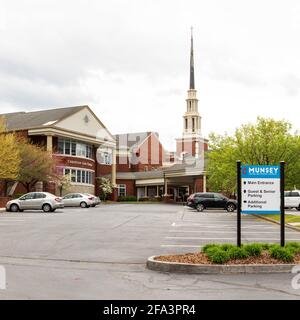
[
  {"x": 231, "y": 207},
  {"x": 47, "y": 208},
  {"x": 200, "y": 207},
  {"x": 298, "y": 208},
  {"x": 14, "y": 208},
  {"x": 83, "y": 205}
]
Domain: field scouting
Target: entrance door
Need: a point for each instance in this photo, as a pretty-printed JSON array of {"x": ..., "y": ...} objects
[
  {"x": 140, "y": 192},
  {"x": 152, "y": 192}
]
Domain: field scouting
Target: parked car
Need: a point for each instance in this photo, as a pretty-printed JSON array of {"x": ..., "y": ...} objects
[
  {"x": 292, "y": 199},
  {"x": 35, "y": 201},
  {"x": 78, "y": 200},
  {"x": 209, "y": 200},
  {"x": 96, "y": 200}
]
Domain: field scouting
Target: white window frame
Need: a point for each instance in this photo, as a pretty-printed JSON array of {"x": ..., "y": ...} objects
[
  {"x": 122, "y": 188},
  {"x": 83, "y": 150},
  {"x": 79, "y": 174}
]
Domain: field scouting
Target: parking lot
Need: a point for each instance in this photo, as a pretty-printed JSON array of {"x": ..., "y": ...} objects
[{"x": 100, "y": 253}]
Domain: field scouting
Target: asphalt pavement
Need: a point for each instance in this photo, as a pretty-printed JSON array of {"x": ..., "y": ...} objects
[{"x": 100, "y": 253}]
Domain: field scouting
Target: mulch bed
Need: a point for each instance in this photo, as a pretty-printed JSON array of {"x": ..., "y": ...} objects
[{"x": 201, "y": 258}]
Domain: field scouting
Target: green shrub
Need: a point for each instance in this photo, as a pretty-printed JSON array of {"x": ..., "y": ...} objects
[
  {"x": 144, "y": 199},
  {"x": 127, "y": 198},
  {"x": 227, "y": 246},
  {"x": 253, "y": 249},
  {"x": 281, "y": 253},
  {"x": 208, "y": 246},
  {"x": 217, "y": 255},
  {"x": 293, "y": 246},
  {"x": 237, "y": 253},
  {"x": 265, "y": 246}
]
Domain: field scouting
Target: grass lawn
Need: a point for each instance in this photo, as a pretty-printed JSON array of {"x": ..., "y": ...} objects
[{"x": 289, "y": 218}]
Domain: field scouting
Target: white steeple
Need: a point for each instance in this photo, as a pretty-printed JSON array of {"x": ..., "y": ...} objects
[{"x": 191, "y": 118}]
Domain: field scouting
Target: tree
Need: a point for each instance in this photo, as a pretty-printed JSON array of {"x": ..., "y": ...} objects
[
  {"x": 36, "y": 165},
  {"x": 64, "y": 182},
  {"x": 9, "y": 154},
  {"x": 265, "y": 143},
  {"x": 106, "y": 187}
]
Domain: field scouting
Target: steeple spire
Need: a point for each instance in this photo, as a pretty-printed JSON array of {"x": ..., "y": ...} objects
[{"x": 192, "y": 76}]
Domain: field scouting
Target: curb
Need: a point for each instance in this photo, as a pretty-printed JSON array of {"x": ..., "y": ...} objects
[
  {"x": 276, "y": 222},
  {"x": 175, "y": 267}
]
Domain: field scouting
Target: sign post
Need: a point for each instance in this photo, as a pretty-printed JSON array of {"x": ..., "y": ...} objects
[
  {"x": 260, "y": 191},
  {"x": 239, "y": 198},
  {"x": 282, "y": 213}
]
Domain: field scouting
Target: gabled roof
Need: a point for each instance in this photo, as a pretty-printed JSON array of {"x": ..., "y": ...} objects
[
  {"x": 29, "y": 120},
  {"x": 132, "y": 140}
]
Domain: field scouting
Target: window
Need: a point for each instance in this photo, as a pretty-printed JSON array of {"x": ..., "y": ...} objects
[
  {"x": 73, "y": 176},
  {"x": 105, "y": 156},
  {"x": 122, "y": 190},
  {"x": 74, "y": 153},
  {"x": 74, "y": 148},
  {"x": 67, "y": 147},
  {"x": 186, "y": 123},
  {"x": 294, "y": 194},
  {"x": 193, "y": 122},
  {"x": 28, "y": 196},
  {"x": 80, "y": 176},
  {"x": 60, "y": 147},
  {"x": 39, "y": 196},
  {"x": 89, "y": 152}
]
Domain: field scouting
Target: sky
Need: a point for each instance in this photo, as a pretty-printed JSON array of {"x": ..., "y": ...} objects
[{"x": 129, "y": 61}]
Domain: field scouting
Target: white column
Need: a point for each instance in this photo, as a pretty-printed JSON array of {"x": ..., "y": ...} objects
[
  {"x": 166, "y": 187},
  {"x": 50, "y": 144},
  {"x": 204, "y": 183},
  {"x": 114, "y": 168},
  {"x": 157, "y": 191}
]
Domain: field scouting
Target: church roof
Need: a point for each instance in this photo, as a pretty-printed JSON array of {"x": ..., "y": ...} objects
[{"x": 29, "y": 120}]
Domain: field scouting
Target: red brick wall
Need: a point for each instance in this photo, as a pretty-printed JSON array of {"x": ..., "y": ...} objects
[
  {"x": 198, "y": 185},
  {"x": 3, "y": 201},
  {"x": 149, "y": 155},
  {"x": 130, "y": 186}
]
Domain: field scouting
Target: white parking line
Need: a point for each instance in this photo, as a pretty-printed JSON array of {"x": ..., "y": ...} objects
[
  {"x": 180, "y": 246},
  {"x": 9, "y": 220},
  {"x": 221, "y": 226},
  {"x": 233, "y": 231},
  {"x": 222, "y": 238}
]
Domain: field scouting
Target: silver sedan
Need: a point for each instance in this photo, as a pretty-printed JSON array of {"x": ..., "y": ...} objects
[
  {"x": 35, "y": 201},
  {"x": 78, "y": 200}
]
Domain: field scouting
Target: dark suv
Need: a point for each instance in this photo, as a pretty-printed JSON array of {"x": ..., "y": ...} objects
[{"x": 207, "y": 200}]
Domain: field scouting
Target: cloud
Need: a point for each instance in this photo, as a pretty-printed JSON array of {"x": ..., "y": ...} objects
[
  {"x": 129, "y": 59},
  {"x": 291, "y": 84}
]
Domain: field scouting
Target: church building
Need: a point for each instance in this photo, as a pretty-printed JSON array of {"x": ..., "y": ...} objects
[{"x": 137, "y": 163}]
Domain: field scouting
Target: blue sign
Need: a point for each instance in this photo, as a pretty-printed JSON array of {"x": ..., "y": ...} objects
[
  {"x": 265, "y": 172},
  {"x": 260, "y": 189}
]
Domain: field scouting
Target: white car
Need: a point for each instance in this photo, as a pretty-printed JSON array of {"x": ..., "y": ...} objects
[
  {"x": 35, "y": 201},
  {"x": 292, "y": 199},
  {"x": 96, "y": 200},
  {"x": 78, "y": 200}
]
